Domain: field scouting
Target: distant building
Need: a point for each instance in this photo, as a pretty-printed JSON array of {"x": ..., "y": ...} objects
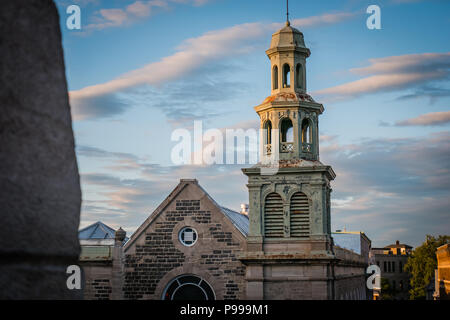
[
  {"x": 442, "y": 274},
  {"x": 101, "y": 261},
  {"x": 355, "y": 241},
  {"x": 391, "y": 260}
]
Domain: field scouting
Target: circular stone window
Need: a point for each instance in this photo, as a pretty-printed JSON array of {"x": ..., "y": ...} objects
[{"x": 188, "y": 236}]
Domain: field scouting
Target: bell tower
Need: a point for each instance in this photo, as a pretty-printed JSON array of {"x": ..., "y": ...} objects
[
  {"x": 289, "y": 246},
  {"x": 289, "y": 110}
]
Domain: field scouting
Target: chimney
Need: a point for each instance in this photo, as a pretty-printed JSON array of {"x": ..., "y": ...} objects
[
  {"x": 244, "y": 208},
  {"x": 397, "y": 242}
]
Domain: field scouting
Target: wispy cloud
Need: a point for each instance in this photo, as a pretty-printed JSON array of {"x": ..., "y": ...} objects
[
  {"x": 321, "y": 20},
  {"x": 191, "y": 55},
  {"x": 136, "y": 11},
  {"x": 429, "y": 119},
  {"x": 385, "y": 184},
  {"x": 392, "y": 73},
  {"x": 381, "y": 185},
  {"x": 127, "y": 202},
  {"x": 432, "y": 93},
  {"x": 93, "y": 152}
]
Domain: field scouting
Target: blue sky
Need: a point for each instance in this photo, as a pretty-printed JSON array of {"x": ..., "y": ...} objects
[{"x": 138, "y": 70}]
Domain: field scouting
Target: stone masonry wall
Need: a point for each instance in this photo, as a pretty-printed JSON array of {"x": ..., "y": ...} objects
[
  {"x": 350, "y": 283},
  {"x": 97, "y": 280},
  {"x": 158, "y": 256}
]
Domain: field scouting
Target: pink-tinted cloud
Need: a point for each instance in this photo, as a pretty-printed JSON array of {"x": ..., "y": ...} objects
[
  {"x": 429, "y": 119},
  {"x": 392, "y": 73},
  {"x": 116, "y": 17},
  {"x": 192, "y": 54}
]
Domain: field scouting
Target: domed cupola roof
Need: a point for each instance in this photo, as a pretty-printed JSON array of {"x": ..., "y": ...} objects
[{"x": 288, "y": 38}]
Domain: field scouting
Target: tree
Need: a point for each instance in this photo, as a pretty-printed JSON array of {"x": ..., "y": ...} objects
[
  {"x": 421, "y": 265},
  {"x": 387, "y": 292}
]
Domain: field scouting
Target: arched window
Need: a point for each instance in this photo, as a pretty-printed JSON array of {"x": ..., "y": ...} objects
[
  {"x": 275, "y": 78},
  {"x": 287, "y": 134},
  {"x": 286, "y": 76},
  {"x": 268, "y": 133},
  {"x": 188, "y": 287},
  {"x": 306, "y": 131},
  {"x": 299, "y": 76},
  {"x": 273, "y": 216},
  {"x": 299, "y": 215}
]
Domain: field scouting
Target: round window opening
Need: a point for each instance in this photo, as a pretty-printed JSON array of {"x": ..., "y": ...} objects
[
  {"x": 188, "y": 236},
  {"x": 188, "y": 287}
]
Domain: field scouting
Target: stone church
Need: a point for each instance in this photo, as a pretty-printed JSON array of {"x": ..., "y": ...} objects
[{"x": 192, "y": 248}]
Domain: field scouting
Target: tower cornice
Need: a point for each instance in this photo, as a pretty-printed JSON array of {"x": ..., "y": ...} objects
[
  {"x": 277, "y": 50},
  {"x": 310, "y": 106},
  {"x": 294, "y": 167}
]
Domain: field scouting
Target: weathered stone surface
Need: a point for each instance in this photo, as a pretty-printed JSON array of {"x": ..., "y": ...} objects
[
  {"x": 290, "y": 252},
  {"x": 154, "y": 255},
  {"x": 40, "y": 193}
]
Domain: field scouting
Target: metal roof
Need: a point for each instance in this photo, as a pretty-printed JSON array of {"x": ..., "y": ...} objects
[
  {"x": 239, "y": 220},
  {"x": 97, "y": 230}
]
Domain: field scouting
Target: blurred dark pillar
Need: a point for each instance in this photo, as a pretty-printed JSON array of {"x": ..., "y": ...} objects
[{"x": 40, "y": 193}]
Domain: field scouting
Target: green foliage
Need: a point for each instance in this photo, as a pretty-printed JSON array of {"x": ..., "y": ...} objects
[
  {"x": 421, "y": 265},
  {"x": 387, "y": 292}
]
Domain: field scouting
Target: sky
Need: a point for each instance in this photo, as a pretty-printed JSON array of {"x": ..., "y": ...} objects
[{"x": 139, "y": 70}]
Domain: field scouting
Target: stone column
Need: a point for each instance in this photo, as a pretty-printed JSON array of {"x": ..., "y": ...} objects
[
  {"x": 40, "y": 193},
  {"x": 117, "y": 265}
]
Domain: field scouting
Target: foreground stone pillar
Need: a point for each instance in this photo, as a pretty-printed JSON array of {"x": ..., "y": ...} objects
[
  {"x": 118, "y": 265},
  {"x": 40, "y": 193}
]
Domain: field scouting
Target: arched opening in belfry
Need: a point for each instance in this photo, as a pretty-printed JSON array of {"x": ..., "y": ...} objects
[
  {"x": 268, "y": 132},
  {"x": 287, "y": 130},
  {"x": 306, "y": 131},
  {"x": 299, "y": 76},
  {"x": 275, "y": 77},
  {"x": 286, "y": 76}
]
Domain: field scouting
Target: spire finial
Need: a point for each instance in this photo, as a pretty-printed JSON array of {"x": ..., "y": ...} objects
[{"x": 287, "y": 13}]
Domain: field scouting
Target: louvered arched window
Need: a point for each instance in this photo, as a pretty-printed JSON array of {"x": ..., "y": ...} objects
[
  {"x": 299, "y": 213},
  {"x": 273, "y": 216}
]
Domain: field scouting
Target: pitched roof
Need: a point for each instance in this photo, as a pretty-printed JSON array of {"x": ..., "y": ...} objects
[
  {"x": 97, "y": 230},
  {"x": 239, "y": 220},
  {"x": 398, "y": 245}
]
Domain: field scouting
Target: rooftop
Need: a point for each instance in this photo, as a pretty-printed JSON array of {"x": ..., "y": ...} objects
[{"x": 97, "y": 231}]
